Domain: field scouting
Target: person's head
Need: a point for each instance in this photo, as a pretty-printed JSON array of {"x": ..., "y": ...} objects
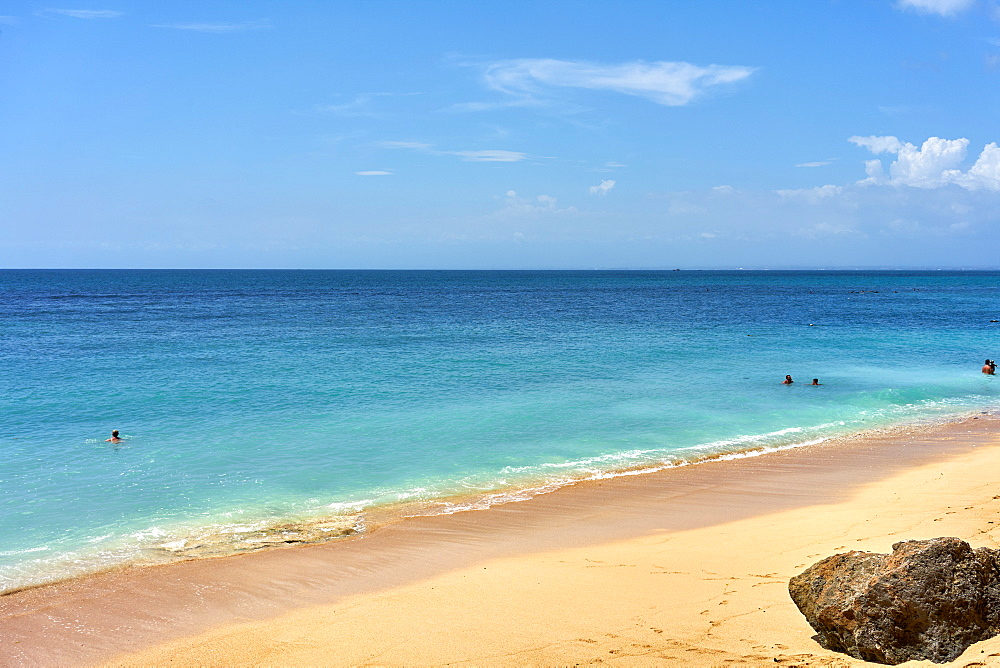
[
  {"x": 988, "y": 361},
  {"x": 788, "y": 377},
  {"x": 114, "y": 433},
  {"x": 815, "y": 381}
]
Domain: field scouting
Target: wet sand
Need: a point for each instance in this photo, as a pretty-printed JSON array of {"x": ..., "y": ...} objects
[{"x": 687, "y": 566}]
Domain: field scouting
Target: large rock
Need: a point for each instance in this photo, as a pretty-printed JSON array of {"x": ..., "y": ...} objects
[{"x": 929, "y": 599}]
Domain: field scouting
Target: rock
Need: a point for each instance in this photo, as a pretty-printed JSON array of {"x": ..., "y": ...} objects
[
  {"x": 236, "y": 539},
  {"x": 929, "y": 599}
]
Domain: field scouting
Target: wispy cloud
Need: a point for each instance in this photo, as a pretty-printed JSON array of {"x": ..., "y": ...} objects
[
  {"x": 608, "y": 167},
  {"x": 812, "y": 194},
  {"x": 468, "y": 156},
  {"x": 216, "y": 27},
  {"x": 489, "y": 106},
  {"x": 515, "y": 206},
  {"x": 603, "y": 188},
  {"x": 940, "y": 7},
  {"x": 415, "y": 145},
  {"x": 934, "y": 165},
  {"x": 361, "y": 105},
  {"x": 86, "y": 13},
  {"x": 818, "y": 163},
  {"x": 666, "y": 83},
  {"x": 374, "y": 172},
  {"x": 489, "y": 156}
]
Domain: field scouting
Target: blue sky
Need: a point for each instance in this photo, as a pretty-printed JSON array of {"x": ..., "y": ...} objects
[{"x": 434, "y": 134}]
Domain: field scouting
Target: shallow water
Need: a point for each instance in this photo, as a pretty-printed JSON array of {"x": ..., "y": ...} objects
[{"x": 255, "y": 403}]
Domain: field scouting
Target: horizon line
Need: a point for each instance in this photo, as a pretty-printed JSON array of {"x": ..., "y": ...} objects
[{"x": 499, "y": 269}]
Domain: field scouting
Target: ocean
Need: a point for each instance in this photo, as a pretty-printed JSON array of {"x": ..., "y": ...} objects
[{"x": 265, "y": 408}]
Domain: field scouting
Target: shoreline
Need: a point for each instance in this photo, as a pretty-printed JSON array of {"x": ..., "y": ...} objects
[
  {"x": 214, "y": 541},
  {"x": 96, "y": 618}
]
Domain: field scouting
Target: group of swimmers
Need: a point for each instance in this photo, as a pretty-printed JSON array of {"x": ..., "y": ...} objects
[
  {"x": 788, "y": 381},
  {"x": 989, "y": 368}
]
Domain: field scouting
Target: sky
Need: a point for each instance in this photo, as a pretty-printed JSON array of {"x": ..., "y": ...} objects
[{"x": 438, "y": 134}]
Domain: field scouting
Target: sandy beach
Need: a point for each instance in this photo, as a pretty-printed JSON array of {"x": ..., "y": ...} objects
[{"x": 683, "y": 567}]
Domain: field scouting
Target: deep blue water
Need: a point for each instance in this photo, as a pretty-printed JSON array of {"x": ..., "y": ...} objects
[{"x": 253, "y": 398}]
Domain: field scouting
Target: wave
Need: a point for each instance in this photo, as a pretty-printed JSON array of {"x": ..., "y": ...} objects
[{"x": 330, "y": 520}]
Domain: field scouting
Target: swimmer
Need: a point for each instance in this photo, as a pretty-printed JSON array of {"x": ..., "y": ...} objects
[
  {"x": 990, "y": 367},
  {"x": 114, "y": 437},
  {"x": 787, "y": 381},
  {"x": 816, "y": 381}
]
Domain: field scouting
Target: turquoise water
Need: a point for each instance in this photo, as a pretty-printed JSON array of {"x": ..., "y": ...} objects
[{"x": 254, "y": 400}]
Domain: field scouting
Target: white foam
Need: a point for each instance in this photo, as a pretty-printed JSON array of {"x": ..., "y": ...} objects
[
  {"x": 175, "y": 545},
  {"x": 151, "y": 532},
  {"x": 351, "y": 506},
  {"x": 11, "y": 553}
]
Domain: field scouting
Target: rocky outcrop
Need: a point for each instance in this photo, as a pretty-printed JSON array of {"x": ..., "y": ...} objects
[{"x": 929, "y": 599}]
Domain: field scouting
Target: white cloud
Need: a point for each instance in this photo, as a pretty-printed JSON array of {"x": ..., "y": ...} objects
[
  {"x": 812, "y": 194},
  {"x": 684, "y": 207},
  {"x": 818, "y": 163},
  {"x": 490, "y": 156},
  {"x": 490, "y": 106},
  {"x": 215, "y": 27},
  {"x": 87, "y": 13},
  {"x": 986, "y": 171},
  {"x": 934, "y": 165},
  {"x": 608, "y": 167},
  {"x": 364, "y": 105},
  {"x": 941, "y": 7},
  {"x": 666, "y": 83},
  {"x": 374, "y": 172},
  {"x": 878, "y": 144},
  {"x": 827, "y": 191},
  {"x": 604, "y": 187},
  {"x": 821, "y": 192},
  {"x": 469, "y": 156},
  {"x": 825, "y": 229},
  {"x": 415, "y": 145},
  {"x": 927, "y": 165},
  {"x": 873, "y": 168},
  {"x": 958, "y": 228},
  {"x": 358, "y": 104},
  {"x": 837, "y": 212},
  {"x": 848, "y": 224},
  {"x": 515, "y": 207}
]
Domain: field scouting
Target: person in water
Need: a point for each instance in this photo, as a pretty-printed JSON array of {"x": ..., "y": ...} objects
[
  {"x": 990, "y": 367},
  {"x": 787, "y": 381},
  {"x": 114, "y": 437},
  {"x": 816, "y": 381}
]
